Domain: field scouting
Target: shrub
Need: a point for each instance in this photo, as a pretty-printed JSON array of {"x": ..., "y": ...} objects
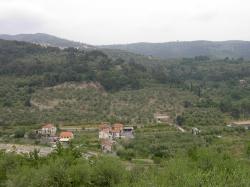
[{"x": 19, "y": 133}]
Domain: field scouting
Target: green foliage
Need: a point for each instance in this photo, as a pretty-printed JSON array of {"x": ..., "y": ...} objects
[
  {"x": 203, "y": 117},
  {"x": 162, "y": 144},
  {"x": 126, "y": 154},
  {"x": 159, "y": 142},
  {"x": 131, "y": 87},
  {"x": 248, "y": 149},
  {"x": 19, "y": 133},
  {"x": 200, "y": 167},
  {"x": 108, "y": 171}
]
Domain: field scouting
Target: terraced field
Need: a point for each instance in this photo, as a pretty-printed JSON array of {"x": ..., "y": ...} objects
[{"x": 64, "y": 104}]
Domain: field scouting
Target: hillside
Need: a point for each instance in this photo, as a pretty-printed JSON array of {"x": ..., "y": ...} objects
[
  {"x": 27, "y": 71},
  {"x": 144, "y": 51},
  {"x": 45, "y": 40},
  {"x": 170, "y": 50},
  {"x": 80, "y": 89},
  {"x": 39, "y": 84}
]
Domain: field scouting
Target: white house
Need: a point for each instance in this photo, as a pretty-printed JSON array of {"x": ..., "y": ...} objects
[
  {"x": 104, "y": 131},
  {"x": 195, "y": 131},
  {"x": 48, "y": 130}
]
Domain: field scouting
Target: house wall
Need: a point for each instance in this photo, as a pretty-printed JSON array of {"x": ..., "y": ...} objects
[
  {"x": 49, "y": 131},
  {"x": 103, "y": 135},
  {"x": 106, "y": 148}
]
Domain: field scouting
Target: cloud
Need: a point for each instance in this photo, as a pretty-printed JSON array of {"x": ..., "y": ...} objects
[
  {"x": 21, "y": 23},
  {"x": 205, "y": 17},
  {"x": 126, "y": 21},
  {"x": 18, "y": 18}
]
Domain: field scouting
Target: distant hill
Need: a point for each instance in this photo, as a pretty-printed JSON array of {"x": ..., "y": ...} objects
[
  {"x": 45, "y": 40},
  {"x": 168, "y": 50},
  {"x": 232, "y": 49}
]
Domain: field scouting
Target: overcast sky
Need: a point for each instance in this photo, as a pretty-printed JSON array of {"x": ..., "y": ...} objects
[{"x": 128, "y": 21}]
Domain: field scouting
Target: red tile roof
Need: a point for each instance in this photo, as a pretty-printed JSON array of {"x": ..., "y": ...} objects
[
  {"x": 48, "y": 126},
  {"x": 117, "y": 127},
  {"x": 104, "y": 126},
  {"x": 116, "y": 130},
  {"x": 66, "y": 135}
]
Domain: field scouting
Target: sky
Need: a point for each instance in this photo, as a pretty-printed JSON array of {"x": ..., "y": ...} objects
[{"x": 128, "y": 21}]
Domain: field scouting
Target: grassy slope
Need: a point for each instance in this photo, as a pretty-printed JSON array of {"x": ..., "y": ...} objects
[{"x": 93, "y": 105}]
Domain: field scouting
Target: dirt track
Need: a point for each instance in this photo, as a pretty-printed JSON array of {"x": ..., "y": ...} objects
[{"x": 19, "y": 149}]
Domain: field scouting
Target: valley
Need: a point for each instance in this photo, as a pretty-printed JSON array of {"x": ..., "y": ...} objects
[{"x": 183, "y": 118}]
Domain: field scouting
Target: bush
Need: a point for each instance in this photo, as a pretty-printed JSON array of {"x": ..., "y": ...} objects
[
  {"x": 127, "y": 154},
  {"x": 19, "y": 133},
  {"x": 108, "y": 171}
]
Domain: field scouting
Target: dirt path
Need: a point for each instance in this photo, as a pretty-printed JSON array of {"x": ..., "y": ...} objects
[
  {"x": 180, "y": 128},
  {"x": 19, "y": 149}
]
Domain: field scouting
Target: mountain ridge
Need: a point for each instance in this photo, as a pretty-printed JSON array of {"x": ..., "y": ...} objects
[
  {"x": 188, "y": 49},
  {"x": 164, "y": 50},
  {"x": 46, "y": 40}
]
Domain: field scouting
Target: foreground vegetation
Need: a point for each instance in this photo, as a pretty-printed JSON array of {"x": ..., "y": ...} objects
[
  {"x": 66, "y": 167},
  {"x": 159, "y": 155}
]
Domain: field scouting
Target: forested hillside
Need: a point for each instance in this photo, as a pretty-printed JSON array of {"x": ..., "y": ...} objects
[
  {"x": 27, "y": 68},
  {"x": 41, "y": 84},
  {"x": 46, "y": 40},
  {"x": 170, "y": 50}
]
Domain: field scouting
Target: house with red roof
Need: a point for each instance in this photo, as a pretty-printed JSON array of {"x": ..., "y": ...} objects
[
  {"x": 48, "y": 130},
  {"x": 117, "y": 130},
  {"x": 104, "y": 131},
  {"x": 66, "y": 136}
]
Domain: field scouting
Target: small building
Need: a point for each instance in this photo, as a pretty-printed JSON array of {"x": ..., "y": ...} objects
[
  {"x": 48, "y": 130},
  {"x": 117, "y": 130},
  {"x": 128, "y": 132},
  {"x": 243, "y": 82},
  {"x": 106, "y": 145},
  {"x": 244, "y": 124},
  {"x": 104, "y": 131},
  {"x": 195, "y": 131},
  {"x": 161, "y": 118},
  {"x": 66, "y": 136}
]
